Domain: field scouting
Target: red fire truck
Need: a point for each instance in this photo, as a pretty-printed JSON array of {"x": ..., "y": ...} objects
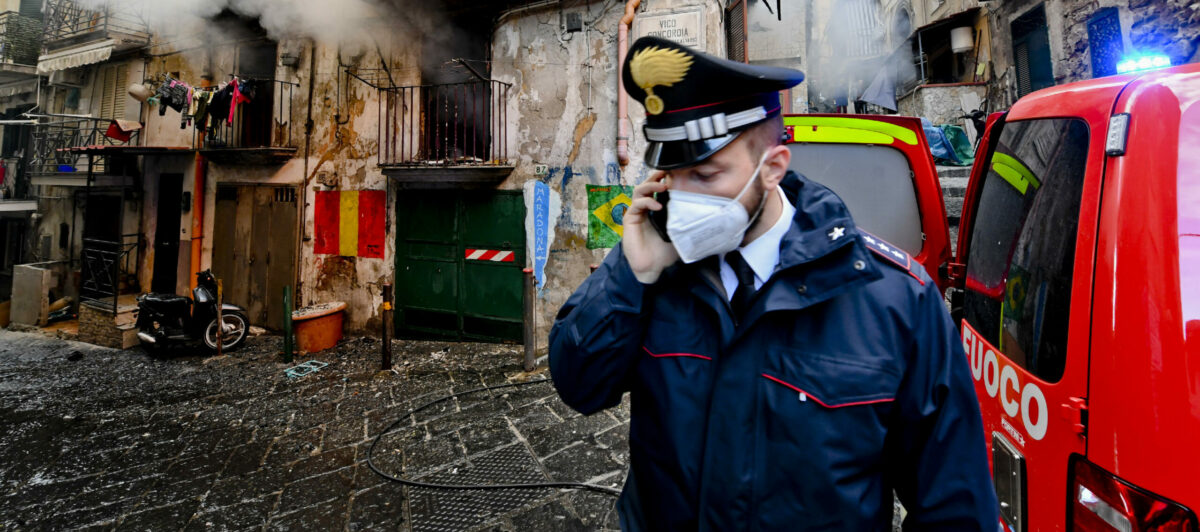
[{"x": 1076, "y": 282}]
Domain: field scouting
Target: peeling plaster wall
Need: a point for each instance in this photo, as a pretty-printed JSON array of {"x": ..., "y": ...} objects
[
  {"x": 563, "y": 114},
  {"x": 776, "y": 42},
  {"x": 941, "y": 104},
  {"x": 57, "y": 205},
  {"x": 343, "y": 145}
]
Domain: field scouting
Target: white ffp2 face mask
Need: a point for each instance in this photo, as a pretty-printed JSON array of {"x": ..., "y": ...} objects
[{"x": 703, "y": 225}]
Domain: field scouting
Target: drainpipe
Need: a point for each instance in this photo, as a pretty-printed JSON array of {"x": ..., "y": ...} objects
[
  {"x": 197, "y": 219},
  {"x": 302, "y": 197},
  {"x": 623, "y": 125}
]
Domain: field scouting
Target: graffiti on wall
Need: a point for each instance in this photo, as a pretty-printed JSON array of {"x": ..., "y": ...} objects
[
  {"x": 606, "y": 212},
  {"x": 542, "y": 207},
  {"x": 349, "y": 223}
]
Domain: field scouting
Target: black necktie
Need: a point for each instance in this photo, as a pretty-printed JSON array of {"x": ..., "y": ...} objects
[{"x": 745, "y": 290}]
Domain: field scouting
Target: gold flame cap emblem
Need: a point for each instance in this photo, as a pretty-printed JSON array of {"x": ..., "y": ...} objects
[{"x": 655, "y": 67}]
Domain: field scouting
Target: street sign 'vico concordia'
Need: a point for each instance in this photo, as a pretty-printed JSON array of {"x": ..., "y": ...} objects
[{"x": 683, "y": 27}]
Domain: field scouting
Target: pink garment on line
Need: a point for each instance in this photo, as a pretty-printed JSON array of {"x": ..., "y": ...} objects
[{"x": 238, "y": 97}]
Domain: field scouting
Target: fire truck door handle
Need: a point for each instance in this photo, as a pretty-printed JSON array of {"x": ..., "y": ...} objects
[{"x": 1075, "y": 412}]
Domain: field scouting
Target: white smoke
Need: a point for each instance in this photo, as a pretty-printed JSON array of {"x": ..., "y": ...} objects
[
  {"x": 855, "y": 46},
  {"x": 330, "y": 21}
]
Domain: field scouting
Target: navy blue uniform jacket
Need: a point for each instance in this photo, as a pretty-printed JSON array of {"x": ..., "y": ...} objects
[{"x": 845, "y": 380}]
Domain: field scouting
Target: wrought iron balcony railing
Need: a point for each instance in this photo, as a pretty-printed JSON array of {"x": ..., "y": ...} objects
[
  {"x": 56, "y": 145},
  {"x": 458, "y": 124},
  {"x": 264, "y": 122},
  {"x": 67, "y": 20},
  {"x": 107, "y": 268},
  {"x": 20, "y": 38}
]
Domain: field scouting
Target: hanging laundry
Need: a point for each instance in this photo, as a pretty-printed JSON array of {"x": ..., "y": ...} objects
[
  {"x": 200, "y": 109},
  {"x": 186, "y": 114},
  {"x": 219, "y": 106},
  {"x": 172, "y": 93},
  {"x": 238, "y": 98}
]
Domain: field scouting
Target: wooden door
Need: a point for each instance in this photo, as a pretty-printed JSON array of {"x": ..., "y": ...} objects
[{"x": 254, "y": 248}]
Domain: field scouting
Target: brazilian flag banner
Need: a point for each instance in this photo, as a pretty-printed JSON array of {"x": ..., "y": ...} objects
[{"x": 606, "y": 213}]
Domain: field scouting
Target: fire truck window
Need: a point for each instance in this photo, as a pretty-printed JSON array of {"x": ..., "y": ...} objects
[
  {"x": 1022, "y": 250},
  {"x": 876, "y": 182}
]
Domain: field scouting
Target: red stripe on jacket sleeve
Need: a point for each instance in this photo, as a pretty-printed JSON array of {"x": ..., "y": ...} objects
[{"x": 665, "y": 355}]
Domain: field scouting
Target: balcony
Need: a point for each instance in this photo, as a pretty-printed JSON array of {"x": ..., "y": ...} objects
[
  {"x": 261, "y": 131},
  {"x": 65, "y": 149},
  {"x": 75, "y": 36},
  {"x": 20, "y": 42},
  {"x": 444, "y": 136}
]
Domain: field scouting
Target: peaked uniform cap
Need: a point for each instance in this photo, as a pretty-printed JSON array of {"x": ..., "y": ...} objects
[{"x": 697, "y": 103}]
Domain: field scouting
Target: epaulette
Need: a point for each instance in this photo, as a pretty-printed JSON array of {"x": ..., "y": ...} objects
[{"x": 891, "y": 253}]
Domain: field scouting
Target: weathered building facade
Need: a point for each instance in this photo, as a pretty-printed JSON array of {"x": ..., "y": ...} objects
[
  {"x": 20, "y": 42},
  {"x": 452, "y": 148},
  {"x": 1039, "y": 44},
  {"x": 122, "y": 212}
]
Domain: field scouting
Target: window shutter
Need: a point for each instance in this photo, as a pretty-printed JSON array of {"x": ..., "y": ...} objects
[
  {"x": 112, "y": 91},
  {"x": 107, "y": 81},
  {"x": 735, "y": 31},
  {"x": 1021, "y": 58},
  {"x": 30, "y": 8},
  {"x": 120, "y": 94}
]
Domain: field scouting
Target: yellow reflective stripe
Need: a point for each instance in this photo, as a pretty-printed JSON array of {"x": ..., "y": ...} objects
[
  {"x": 1014, "y": 171},
  {"x": 840, "y": 135},
  {"x": 847, "y": 130},
  {"x": 1011, "y": 175}
]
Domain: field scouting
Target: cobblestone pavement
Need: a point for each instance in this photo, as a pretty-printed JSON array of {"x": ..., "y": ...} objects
[{"x": 94, "y": 438}]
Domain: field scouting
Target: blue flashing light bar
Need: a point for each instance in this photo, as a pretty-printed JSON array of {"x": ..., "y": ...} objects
[{"x": 1143, "y": 62}]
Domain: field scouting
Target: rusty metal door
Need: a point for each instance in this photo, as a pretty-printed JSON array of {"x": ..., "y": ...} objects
[
  {"x": 254, "y": 248},
  {"x": 459, "y": 257}
]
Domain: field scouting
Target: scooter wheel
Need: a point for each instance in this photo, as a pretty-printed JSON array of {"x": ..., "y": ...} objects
[{"x": 237, "y": 326}]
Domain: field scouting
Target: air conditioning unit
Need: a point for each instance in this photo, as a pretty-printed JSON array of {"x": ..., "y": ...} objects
[{"x": 67, "y": 78}]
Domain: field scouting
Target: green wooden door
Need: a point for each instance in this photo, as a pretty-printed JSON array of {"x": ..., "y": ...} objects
[{"x": 459, "y": 257}]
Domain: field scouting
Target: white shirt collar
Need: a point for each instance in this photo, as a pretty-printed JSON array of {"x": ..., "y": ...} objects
[{"x": 763, "y": 253}]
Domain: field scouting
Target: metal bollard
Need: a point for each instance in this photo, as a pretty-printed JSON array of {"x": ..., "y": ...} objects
[
  {"x": 387, "y": 325},
  {"x": 530, "y": 325},
  {"x": 221, "y": 319},
  {"x": 287, "y": 324}
]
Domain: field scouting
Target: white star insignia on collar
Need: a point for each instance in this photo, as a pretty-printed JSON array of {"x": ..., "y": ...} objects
[{"x": 838, "y": 232}]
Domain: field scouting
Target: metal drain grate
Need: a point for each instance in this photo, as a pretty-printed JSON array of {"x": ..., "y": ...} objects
[{"x": 444, "y": 510}]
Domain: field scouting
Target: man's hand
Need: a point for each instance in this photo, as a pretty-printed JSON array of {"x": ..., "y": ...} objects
[{"x": 648, "y": 254}]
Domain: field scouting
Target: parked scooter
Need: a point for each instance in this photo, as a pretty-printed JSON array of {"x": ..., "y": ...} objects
[{"x": 167, "y": 318}]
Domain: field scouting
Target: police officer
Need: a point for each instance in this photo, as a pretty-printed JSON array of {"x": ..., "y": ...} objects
[{"x": 787, "y": 371}]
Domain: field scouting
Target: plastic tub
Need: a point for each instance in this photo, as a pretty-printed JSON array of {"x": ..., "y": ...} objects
[{"x": 318, "y": 327}]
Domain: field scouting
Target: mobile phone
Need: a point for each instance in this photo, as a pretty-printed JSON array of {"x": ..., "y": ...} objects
[{"x": 658, "y": 219}]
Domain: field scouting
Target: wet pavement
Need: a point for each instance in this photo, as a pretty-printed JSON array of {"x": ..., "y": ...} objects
[{"x": 94, "y": 438}]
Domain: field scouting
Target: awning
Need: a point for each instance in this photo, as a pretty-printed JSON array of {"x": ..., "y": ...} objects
[
  {"x": 76, "y": 56},
  {"x": 9, "y": 90},
  {"x": 18, "y": 206}
]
